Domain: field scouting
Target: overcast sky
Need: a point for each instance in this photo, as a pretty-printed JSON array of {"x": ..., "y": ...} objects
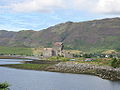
[{"x": 18, "y": 15}]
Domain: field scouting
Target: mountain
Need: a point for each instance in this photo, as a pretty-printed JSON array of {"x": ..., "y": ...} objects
[{"x": 90, "y": 35}]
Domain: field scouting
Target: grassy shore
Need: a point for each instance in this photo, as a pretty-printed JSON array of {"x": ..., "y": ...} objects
[
  {"x": 96, "y": 61},
  {"x": 9, "y": 57},
  {"x": 28, "y": 66}
]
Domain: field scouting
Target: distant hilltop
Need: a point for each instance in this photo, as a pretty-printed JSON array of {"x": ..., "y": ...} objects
[{"x": 87, "y": 36}]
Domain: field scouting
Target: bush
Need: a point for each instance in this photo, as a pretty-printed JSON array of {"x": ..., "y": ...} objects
[
  {"x": 4, "y": 85},
  {"x": 87, "y": 55},
  {"x": 115, "y": 62}
]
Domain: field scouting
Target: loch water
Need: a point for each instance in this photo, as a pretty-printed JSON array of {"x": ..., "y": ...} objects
[{"x": 42, "y": 80}]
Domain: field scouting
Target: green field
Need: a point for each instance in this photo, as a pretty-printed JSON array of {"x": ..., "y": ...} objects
[{"x": 15, "y": 51}]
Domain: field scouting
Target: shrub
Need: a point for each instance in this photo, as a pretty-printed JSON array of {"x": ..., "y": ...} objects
[
  {"x": 87, "y": 55},
  {"x": 115, "y": 62},
  {"x": 4, "y": 85}
]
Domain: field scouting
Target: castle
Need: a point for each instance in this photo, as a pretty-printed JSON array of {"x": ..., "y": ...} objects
[{"x": 56, "y": 50}]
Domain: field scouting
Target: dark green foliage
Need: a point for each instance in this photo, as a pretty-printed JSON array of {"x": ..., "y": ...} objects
[
  {"x": 87, "y": 55},
  {"x": 118, "y": 49},
  {"x": 4, "y": 85},
  {"x": 115, "y": 63},
  {"x": 76, "y": 55}
]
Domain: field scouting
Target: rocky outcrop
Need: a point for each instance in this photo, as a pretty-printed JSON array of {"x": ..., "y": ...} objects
[{"x": 105, "y": 72}]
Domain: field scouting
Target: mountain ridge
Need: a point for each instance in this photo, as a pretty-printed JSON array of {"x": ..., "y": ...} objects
[{"x": 87, "y": 35}]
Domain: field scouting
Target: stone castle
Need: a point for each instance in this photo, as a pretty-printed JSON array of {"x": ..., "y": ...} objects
[{"x": 56, "y": 50}]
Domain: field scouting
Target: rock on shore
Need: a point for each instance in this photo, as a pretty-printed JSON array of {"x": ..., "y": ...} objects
[{"x": 105, "y": 72}]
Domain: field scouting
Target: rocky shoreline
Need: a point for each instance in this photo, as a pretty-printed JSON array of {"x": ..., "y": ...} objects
[{"x": 105, "y": 72}]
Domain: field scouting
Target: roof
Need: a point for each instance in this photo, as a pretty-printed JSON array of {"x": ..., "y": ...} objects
[
  {"x": 47, "y": 49},
  {"x": 58, "y": 43}
]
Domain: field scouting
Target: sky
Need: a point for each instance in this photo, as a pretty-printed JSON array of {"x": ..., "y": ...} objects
[{"x": 16, "y": 15}]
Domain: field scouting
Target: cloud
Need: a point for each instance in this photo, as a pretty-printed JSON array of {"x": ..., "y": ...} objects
[
  {"x": 43, "y": 5},
  {"x": 83, "y": 4},
  {"x": 94, "y": 6},
  {"x": 108, "y": 6},
  {"x": 37, "y": 5},
  {"x": 98, "y": 6}
]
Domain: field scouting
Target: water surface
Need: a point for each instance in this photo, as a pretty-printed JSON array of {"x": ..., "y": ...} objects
[
  {"x": 12, "y": 61},
  {"x": 41, "y": 80}
]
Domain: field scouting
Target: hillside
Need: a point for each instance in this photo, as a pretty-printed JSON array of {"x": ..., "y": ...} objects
[{"x": 87, "y": 36}]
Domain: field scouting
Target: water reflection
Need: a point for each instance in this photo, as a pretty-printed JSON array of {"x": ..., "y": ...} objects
[{"x": 12, "y": 61}]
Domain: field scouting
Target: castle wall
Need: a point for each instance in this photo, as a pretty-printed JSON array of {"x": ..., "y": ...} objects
[
  {"x": 48, "y": 52},
  {"x": 57, "y": 50}
]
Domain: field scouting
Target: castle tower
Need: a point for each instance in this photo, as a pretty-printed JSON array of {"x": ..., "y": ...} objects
[{"x": 58, "y": 48}]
